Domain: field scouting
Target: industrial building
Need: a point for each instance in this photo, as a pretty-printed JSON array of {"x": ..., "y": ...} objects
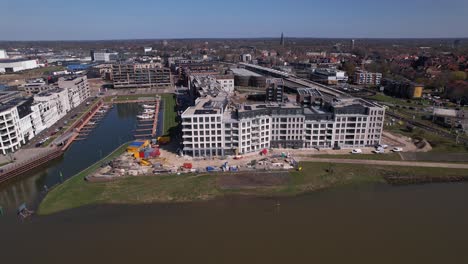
[
  {"x": 367, "y": 78},
  {"x": 136, "y": 75},
  {"x": 103, "y": 56},
  {"x": 402, "y": 89},
  {"x": 217, "y": 127},
  {"x": 17, "y": 65}
]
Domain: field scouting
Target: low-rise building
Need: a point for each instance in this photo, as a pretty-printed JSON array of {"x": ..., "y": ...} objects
[
  {"x": 329, "y": 76},
  {"x": 367, "y": 78},
  {"x": 35, "y": 86},
  {"x": 403, "y": 88}
]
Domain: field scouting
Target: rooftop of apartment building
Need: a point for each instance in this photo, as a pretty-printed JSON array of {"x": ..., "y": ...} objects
[
  {"x": 6, "y": 96},
  {"x": 23, "y": 105},
  {"x": 71, "y": 77},
  {"x": 244, "y": 72},
  {"x": 207, "y": 106},
  {"x": 309, "y": 91},
  {"x": 35, "y": 82},
  {"x": 50, "y": 92},
  {"x": 224, "y": 77},
  {"x": 352, "y": 102}
]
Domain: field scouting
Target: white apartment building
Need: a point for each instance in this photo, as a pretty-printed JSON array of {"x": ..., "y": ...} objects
[
  {"x": 214, "y": 127},
  {"x": 10, "y": 133},
  {"x": 77, "y": 88},
  {"x": 35, "y": 86},
  {"x": 22, "y": 119},
  {"x": 367, "y": 78},
  {"x": 54, "y": 104},
  {"x": 226, "y": 81}
]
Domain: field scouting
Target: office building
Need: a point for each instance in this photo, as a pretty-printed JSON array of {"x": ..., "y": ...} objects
[
  {"x": 136, "y": 75},
  {"x": 367, "y": 78}
]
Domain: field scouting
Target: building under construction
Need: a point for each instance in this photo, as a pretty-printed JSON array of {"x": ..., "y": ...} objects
[{"x": 138, "y": 75}]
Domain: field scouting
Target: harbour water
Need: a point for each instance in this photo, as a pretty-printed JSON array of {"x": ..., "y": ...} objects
[{"x": 113, "y": 130}]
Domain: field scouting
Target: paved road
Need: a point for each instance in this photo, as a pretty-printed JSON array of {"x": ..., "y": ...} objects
[{"x": 387, "y": 163}]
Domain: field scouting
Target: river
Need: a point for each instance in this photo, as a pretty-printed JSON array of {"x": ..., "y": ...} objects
[
  {"x": 366, "y": 224},
  {"x": 355, "y": 224}
]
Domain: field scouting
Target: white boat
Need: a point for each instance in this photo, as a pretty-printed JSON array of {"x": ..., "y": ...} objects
[
  {"x": 148, "y": 106},
  {"x": 145, "y": 116},
  {"x": 149, "y": 111}
]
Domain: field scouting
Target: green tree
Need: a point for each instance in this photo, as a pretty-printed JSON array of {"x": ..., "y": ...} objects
[{"x": 458, "y": 76}]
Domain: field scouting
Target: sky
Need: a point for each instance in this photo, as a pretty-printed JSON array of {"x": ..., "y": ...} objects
[{"x": 170, "y": 19}]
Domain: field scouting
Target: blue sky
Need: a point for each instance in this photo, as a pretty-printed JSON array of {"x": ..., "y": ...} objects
[{"x": 128, "y": 19}]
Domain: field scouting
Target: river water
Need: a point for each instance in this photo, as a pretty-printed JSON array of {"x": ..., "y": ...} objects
[{"x": 355, "y": 224}]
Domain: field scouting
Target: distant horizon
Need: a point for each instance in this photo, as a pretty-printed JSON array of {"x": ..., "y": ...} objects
[
  {"x": 56, "y": 20},
  {"x": 239, "y": 38}
]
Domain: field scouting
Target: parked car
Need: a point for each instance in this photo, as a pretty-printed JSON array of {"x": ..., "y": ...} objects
[
  {"x": 356, "y": 151},
  {"x": 384, "y": 146},
  {"x": 397, "y": 149},
  {"x": 379, "y": 151}
]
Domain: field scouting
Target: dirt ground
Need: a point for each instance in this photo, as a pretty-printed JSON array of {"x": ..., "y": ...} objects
[{"x": 171, "y": 159}]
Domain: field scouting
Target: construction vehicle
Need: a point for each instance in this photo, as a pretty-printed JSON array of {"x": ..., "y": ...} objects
[{"x": 145, "y": 163}]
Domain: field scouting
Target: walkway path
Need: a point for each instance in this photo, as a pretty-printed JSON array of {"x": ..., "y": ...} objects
[{"x": 387, "y": 163}]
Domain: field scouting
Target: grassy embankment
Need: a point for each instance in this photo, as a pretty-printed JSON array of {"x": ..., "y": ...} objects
[
  {"x": 439, "y": 143},
  {"x": 130, "y": 97},
  {"x": 386, "y": 156},
  {"x": 170, "y": 113},
  {"x": 183, "y": 188}
]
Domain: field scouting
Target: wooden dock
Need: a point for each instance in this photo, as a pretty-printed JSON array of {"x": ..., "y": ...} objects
[{"x": 145, "y": 125}]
